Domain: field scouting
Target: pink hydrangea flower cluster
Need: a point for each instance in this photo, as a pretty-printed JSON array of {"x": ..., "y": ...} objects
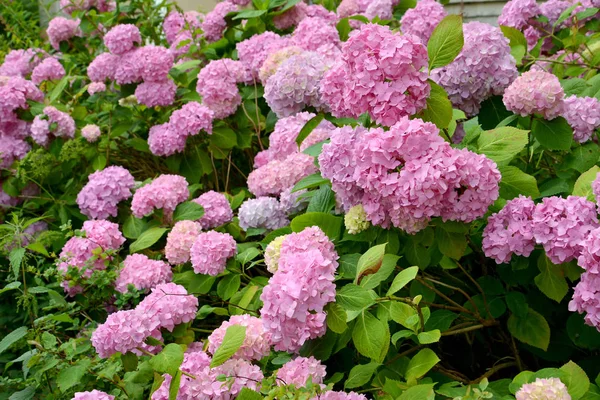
[
  {"x": 257, "y": 342},
  {"x": 254, "y": 51},
  {"x": 96, "y": 87},
  {"x": 510, "y": 231},
  {"x": 381, "y": 9},
  {"x": 91, "y": 133},
  {"x": 583, "y": 114},
  {"x": 217, "y": 210},
  {"x": 207, "y": 385},
  {"x": 518, "y": 13},
  {"x": 70, "y": 6},
  {"x": 407, "y": 175},
  {"x": 586, "y": 298},
  {"x": 164, "y": 192},
  {"x": 83, "y": 252},
  {"x": 543, "y": 388},
  {"x": 217, "y": 84},
  {"x": 292, "y": 202},
  {"x": 295, "y": 84},
  {"x": 143, "y": 273},
  {"x": 156, "y": 94},
  {"x": 42, "y": 130},
  {"x": 103, "y": 67},
  {"x": 180, "y": 240},
  {"x": 312, "y": 33},
  {"x": 210, "y": 252},
  {"x": 21, "y": 62},
  {"x": 296, "y": 14},
  {"x": 262, "y": 213},
  {"x": 105, "y": 189},
  {"x": 168, "y": 305},
  {"x": 298, "y": 371},
  {"x": 12, "y": 141},
  {"x": 295, "y": 297},
  {"x": 61, "y": 29},
  {"x": 14, "y": 93},
  {"x": 94, "y": 394},
  {"x": 275, "y": 59},
  {"x": 561, "y": 226},
  {"x": 177, "y": 25},
  {"x": 483, "y": 68},
  {"x": 214, "y": 23},
  {"x": 381, "y": 73},
  {"x": 49, "y": 69},
  {"x": 276, "y": 176},
  {"x": 122, "y": 38},
  {"x": 535, "y": 92},
  {"x": 422, "y": 20}
]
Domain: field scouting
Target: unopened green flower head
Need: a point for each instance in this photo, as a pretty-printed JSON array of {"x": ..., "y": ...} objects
[
  {"x": 356, "y": 220},
  {"x": 129, "y": 101}
]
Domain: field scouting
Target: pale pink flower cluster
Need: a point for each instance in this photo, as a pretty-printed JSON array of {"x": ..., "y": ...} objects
[
  {"x": 49, "y": 69},
  {"x": 179, "y": 27},
  {"x": 61, "y": 29},
  {"x": 257, "y": 342},
  {"x": 298, "y": 371},
  {"x": 84, "y": 253},
  {"x": 210, "y": 252},
  {"x": 21, "y": 62},
  {"x": 96, "y": 87},
  {"x": 586, "y": 298},
  {"x": 408, "y": 175},
  {"x": 214, "y": 23},
  {"x": 535, "y": 92},
  {"x": 169, "y": 305},
  {"x": 70, "y": 6},
  {"x": 275, "y": 59},
  {"x": 381, "y": 73},
  {"x": 519, "y": 13},
  {"x": 217, "y": 210},
  {"x": 217, "y": 84},
  {"x": 381, "y": 9},
  {"x": 180, "y": 240},
  {"x": 422, "y": 20},
  {"x": 543, "y": 389},
  {"x": 104, "y": 67},
  {"x": 156, "y": 94},
  {"x": 164, "y": 192},
  {"x": 262, "y": 213},
  {"x": 483, "y": 68},
  {"x": 100, "y": 197},
  {"x": 583, "y": 114},
  {"x": 238, "y": 374},
  {"x": 94, "y": 394},
  {"x": 143, "y": 273},
  {"x": 122, "y": 39},
  {"x": 295, "y": 297},
  {"x": 253, "y": 52},
  {"x": 42, "y": 127},
  {"x": 276, "y": 176},
  {"x": 312, "y": 33},
  {"x": 91, "y": 133}
]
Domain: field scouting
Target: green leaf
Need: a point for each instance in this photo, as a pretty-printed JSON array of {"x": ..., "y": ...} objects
[
  {"x": 15, "y": 258},
  {"x": 439, "y": 107},
  {"x": 323, "y": 200},
  {"x": 147, "y": 239},
  {"x": 517, "y": 303},
  {"x": 11, "y": 286},
  {"x": 309, "y": 182},
  {"x": 515, "y": 182},
  {"x": 130, "y": 361},
  {"x": 247, "y": 14},
  {"x": 223, "y": 138},
  {"x": 518, "y": 42},
  {"x": 336, "y": 318},
  {"x": 309, "y": 127},
  {"x": 583, "y": 157},
  {"x": 360, "y": 375},
  {"x": 451, "y": 244},
  {"x": 174, "y": 385},
  {"x": 421, "y": 363},
  {"x": 402, "y": 279},
  {"x": 133, "y": 227},
  {"x": 370, "y": 336},
  {"x": 419, "y": 392},
  {"x": 491, "y": 115},
  {"x": 228, "y": 286},
  {"x": 25, "y": 394},
  {"x": 232, "y": 341},
  {"x": 532, "y": 329},
  {"x": 502, "y": 144},
  {"x": 440, "y": 319},
  {"x": 388, "y": 265},
  {"x": 58, "y": 89},
  {"x": 249, "y": 394},
  {"x": 71, "y": 376},
  {"x": 429, "y": 337},
  {"x": 168, "y": 360},
  {"x": 354, "y": 298},
  {"x": 188, "y": 211},
  {"x": 553, "y": 135},
  {"x": 12, "y": 338},
  {"x": 583, "y": 184},
  {"x": 370, "y": 261},
  {"x": 405, "y": 315},
  {"x": 550, "y": 281},
  {"x": 328, "y": 223},
  {"x": 38, "y": 248},
  {"x": 48, "y": 340},
  {"x": 446, "y": 42},
  {"x": 577, "y": 381},
  {"x": 343, "y": 27},
  {"x": 247, "y": 255}
]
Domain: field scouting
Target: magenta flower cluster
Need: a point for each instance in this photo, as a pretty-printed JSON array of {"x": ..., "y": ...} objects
[
  {"x": 164, "y": 192},
  {"x": 104, "y": 191}
]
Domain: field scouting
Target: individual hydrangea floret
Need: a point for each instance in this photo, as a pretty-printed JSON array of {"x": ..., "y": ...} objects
[
  {"x": 262, "y": 213},
  {"x": 103, "y": 67},
  {"x": 422, "y": 20},
  {"x": 277, "y": 176},
  {"x": 192, "y": 118},
  {"x": 61, "y": 29},
  {"x": 122, "y": 38},
  {"x": 105, "y": 189},
  {"x": 256, "y": 343},
  {"x": 535, "y": 92},
  {"x": 153, "y": 94},
  {"x": 143, "y": 273},
  {"x": 583, "y": 114},
  {"x": 180, "y": 240},
  {"x": 94, "y": 394},
  {"x": 214, "y": 23},
  {"x": 217, "y": 210},
  {"x": 543, "y": 389},
  {"x": 273, "y": 252},
  {"x": 91, "y": 133},
  {"x": 518, "y": 13},
  {"x": 164, "y": 140},
  {"x": 210, "y": 252},
  {"x": 356, "y": 220},
  {"x": 510, "y": 231},
  {"x": 168, "y": 305},
  {"x": 298, "y": 371},
  {"x": 48, "y": 70},
  {"x": 165, "y": 192}
]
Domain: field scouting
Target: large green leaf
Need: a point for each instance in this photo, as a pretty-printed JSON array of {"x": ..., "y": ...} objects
[
  {"x": 405, "y": 315},
  {"x": 446, "y": 42},
  {"x": 515, "y": 182},
  {"x": 439, "y": 107},
  {"x": 133, "y": 227},
  {"x": 232, "y": 341},
  {"x": 451, "y": 244},
  {"x": 228, "y": 286},
  {"x": 370, "y": 261},
  {"x": 309, "y": 127},
  {"x": 336, "y": 318},
  {"x": 556, "y": 134},
  {"x": 331, "y": 225},
  {"x": 532, "y": 329},
  {"x": 370, "y": 336},
  {"x": 576, "y": 380},
  {"x": 168, "y": 360},
  {"x": 583, "y": 184},
  {"x": 583, "y": 157},
  {"x": 551, "y": 280},
  {"x": 71, "y": 376},
  {"x": 421, "y": 364},
  {"x": 147, "y": 239},
  {"x": 189, "y": 210},
  {"x": 403, "y": 278},
  {"x": 518, "y": 42},
  {"x": 419, "y": 392},
  {"x": 360, "y": 375},
  {"x": 12, "y": 338},
  {"x": 354, "y": 298},
  {"x": 502, "y": 144}
]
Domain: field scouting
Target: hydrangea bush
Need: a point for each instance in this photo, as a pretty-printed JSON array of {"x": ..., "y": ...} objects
[{"x": 290, "y": 199}]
